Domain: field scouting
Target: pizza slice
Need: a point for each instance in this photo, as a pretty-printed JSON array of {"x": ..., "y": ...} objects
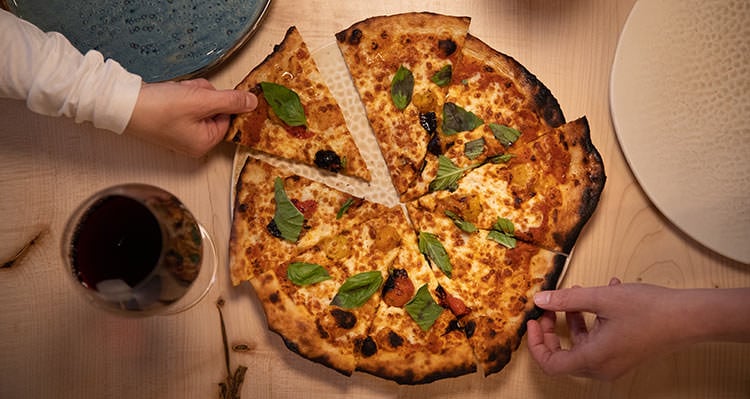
[
  {"x": 487, "y": 286},
  {"x": 548, "y": 189},
  {"x": 411, "y": 339},
  {"x": 332, "y": 289},
  {"x": 277, "y": 214},
  {"x": 297, "y": 117},
  {"x": 492, "y": 105},
  {"x": 401, "y": 66}
]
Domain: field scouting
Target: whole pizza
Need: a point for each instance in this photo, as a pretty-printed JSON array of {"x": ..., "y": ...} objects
[{"x": 494, "y": 189}]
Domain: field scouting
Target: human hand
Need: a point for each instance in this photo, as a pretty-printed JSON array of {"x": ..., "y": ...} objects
[
  {"x": 190, "y": 116},
  {"x": 633, "y": 322}
]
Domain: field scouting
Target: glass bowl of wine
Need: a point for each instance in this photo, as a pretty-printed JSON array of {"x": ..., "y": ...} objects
[{"x": 136, "y": 250}]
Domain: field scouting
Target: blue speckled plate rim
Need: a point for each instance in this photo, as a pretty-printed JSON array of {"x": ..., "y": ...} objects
[
  {"x": 205, "y": 70},
  {"x": 211, "y": 66}
]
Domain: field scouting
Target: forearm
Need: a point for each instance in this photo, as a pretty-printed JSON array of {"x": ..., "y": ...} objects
[
  {"x": 714, "y": 314},
  {"x": 55, "y": 79}
]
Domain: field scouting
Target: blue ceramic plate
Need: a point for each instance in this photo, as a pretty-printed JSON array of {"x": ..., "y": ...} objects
[{"x": 159, "y": 40}]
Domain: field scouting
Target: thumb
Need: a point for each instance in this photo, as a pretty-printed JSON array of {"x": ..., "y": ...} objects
[
  {"x": 230, "y": 101},
  {"x": 569, "y": 300}
]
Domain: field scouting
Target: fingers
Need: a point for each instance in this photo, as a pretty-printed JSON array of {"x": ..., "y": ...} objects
[
  {"x": 216, "y": 102},
  {"x": 567, "y": 300},
  {"x": 544, "y": 346},
  {"x": 574, "y": 299},
  {"x": 202, "y": 83},
  {"x": 229, "y": 101}
]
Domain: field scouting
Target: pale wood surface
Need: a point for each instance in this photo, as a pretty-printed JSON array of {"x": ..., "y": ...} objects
[{"x": 54, "y": 345}]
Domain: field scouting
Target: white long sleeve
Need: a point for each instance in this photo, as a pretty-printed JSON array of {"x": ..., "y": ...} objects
[{"x": 55, "y": 79}]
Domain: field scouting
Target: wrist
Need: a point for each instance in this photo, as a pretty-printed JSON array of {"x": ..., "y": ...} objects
[{"x": 713, "y": 314}]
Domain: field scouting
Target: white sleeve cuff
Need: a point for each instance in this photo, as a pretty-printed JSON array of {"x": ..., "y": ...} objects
[{"x": 55, "y": 79}]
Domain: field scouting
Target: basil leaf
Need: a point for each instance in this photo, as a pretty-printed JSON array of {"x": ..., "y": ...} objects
[
  {"x": 285, "y": 103},
  {"x": 503, "y": 232},
  {"x": 457, "y": 119},
  {"x": 448, "y": 174},
  {"x": 504, "y": 134},
  {"x": 504, "y": 225},
  {"x": 502, "y": 158},
  {"x": 502, "y": 238},
  {"x": 460, "y": 223},
  {"x": 423, "y": 308},
  {"x": 287, "y": 217},
  {"x": 434, "y": 250},
  {"x": 357, "y": 289},
  {"x": 302, "y": 273},
  {"x": 474, "y": 148},
  {"x": 443, "y": 77},
  {"x": 344, "y": 207},
  {"x": 402, "y": 87}
]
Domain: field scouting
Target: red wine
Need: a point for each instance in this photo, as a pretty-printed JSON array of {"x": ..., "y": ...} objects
[{"x": 117, "y": 238}]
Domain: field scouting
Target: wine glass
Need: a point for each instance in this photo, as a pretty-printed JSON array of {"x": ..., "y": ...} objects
[{"x": 136, "y": 250}]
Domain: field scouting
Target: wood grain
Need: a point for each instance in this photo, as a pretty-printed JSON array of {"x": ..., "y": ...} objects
[{"x": 56, "y": 345}]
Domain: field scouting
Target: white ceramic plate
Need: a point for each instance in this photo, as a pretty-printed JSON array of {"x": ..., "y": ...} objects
[{"x": 680, "y": 103}]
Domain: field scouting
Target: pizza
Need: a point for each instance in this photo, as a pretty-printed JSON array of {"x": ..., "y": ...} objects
[
  {"x": 297, "y": 117},
  {"x": 395, "y": 69},
  {"x": 494, "y": 185}
]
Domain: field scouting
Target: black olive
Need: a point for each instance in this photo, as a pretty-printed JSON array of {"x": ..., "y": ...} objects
[
  {"x": 453, "y": 325},
  {"x": 273, "y": 229},
  {"x": 329, "y": 160},
  {"x": 428, "y": 121},
  {"x": 433, "y": 146},
  {"x": 469, "y": 329}
]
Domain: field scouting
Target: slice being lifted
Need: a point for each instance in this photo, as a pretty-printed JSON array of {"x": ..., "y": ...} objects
[
  {"x": 401, "y": 65},
  {"x": 297, "y": 117}
]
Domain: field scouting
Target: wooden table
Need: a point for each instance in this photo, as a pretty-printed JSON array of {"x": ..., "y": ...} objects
[{"x": 53, "y": 344}]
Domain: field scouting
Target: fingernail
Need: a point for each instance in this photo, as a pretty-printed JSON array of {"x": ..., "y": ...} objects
[
  {"x": 251, "y": 101},
  {"x": 542, "y": 298}
]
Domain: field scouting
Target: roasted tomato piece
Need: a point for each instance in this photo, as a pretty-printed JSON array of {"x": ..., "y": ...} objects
[
  {"x": 398, "y": 288},
  {"x": 448, "y": 301},
  {"x": 386, "y": 239},
  {"x": 307, "y": 207}
]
